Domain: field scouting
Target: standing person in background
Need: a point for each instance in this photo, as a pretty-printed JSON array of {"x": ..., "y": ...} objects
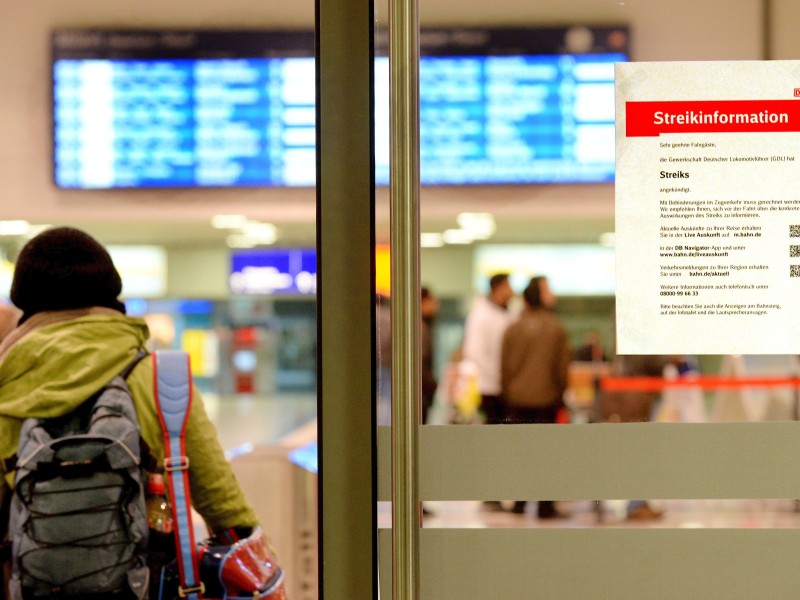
[
  {"x": 383, "y": 326},
  {"x": 634, "y": 407},
  {"x": 429, "y": 308},
  {"x": 535, "y": 357},
  {"x": 592, "y": 349},
  {"x": 483, "y": 336}
]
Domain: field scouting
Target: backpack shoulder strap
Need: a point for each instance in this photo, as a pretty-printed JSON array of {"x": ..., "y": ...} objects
[
  {"x": 140, "y": 354},
  {"x": 173, "y": 393}
]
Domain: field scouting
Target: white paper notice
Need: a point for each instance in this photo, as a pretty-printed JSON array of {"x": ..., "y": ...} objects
[{"x": 708, "y": 207}]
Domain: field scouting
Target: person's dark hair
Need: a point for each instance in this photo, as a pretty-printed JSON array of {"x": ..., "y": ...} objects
[
  {"x": 64, "y": 268},
  {"x": 425, "y": 292},
  {"x": 497, "y": 280},
  {"x": 533, "y": 292}
]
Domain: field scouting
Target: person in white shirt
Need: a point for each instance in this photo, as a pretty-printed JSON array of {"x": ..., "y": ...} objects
[{"x": 483, "y": 337}]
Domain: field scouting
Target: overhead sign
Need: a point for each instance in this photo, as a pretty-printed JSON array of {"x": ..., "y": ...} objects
[{"x": 289, "y": 271}]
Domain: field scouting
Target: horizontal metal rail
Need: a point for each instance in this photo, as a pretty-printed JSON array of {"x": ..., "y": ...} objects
[{"x": 603, "y": 461}]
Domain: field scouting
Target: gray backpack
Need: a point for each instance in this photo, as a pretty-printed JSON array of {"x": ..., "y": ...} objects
[{"x": 78, "y": 519}]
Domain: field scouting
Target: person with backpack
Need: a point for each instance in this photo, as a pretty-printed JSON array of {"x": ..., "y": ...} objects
[{"x": 73, "y": 338}]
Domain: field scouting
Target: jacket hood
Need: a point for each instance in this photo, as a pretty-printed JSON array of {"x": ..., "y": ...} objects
[{"x": 54, "y": 368}]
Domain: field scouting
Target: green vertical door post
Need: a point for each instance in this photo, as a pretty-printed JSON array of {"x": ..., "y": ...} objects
[{"x": 345, "y": 302}]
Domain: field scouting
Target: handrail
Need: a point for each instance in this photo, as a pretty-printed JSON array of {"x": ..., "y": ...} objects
[{"x": 406, "y": 319}]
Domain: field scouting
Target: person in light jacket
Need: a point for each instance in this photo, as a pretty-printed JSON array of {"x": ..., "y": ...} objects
[{"x": 72, "y": 339}]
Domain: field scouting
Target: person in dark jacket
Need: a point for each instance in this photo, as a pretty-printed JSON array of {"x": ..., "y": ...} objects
[
  {"x": 634, "y": 407},
  {"x": 429, "y": 308},
  {"x": 533, "y": 371}
]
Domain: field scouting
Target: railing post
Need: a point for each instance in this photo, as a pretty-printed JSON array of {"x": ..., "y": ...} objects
[{"x": 405, "y": 281}]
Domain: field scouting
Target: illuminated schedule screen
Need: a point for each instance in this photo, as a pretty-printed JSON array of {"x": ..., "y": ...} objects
[
  {"x": 509, "y": 119},
  {"x": 227, "y": 109},
  {"x": 185, "y": 122}
]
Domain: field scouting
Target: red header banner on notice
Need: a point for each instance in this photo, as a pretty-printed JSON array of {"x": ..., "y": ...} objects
[{"x": 651, "y": 119}]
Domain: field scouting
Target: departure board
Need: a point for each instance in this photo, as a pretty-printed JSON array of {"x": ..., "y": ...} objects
[
  {"x": 184, "y": 122},
  {"x": 510, "y": 119},
  {"x": 224, "y": 109}
]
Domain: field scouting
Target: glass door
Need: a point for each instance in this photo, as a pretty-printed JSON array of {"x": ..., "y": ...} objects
[
  {"x": 711, "y": 456},
  {"x": 721, "y": 519}
]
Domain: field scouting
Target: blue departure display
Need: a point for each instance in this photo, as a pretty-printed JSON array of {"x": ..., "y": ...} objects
[
  {"x": 242, "y": 121},
  {"x": 510, "y": 119},
  {"x": 184, "y": 123},
  {"x": 274, "y": 271}
]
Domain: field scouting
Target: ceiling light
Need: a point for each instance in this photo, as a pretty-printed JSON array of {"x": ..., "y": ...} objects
[
  {"x": 480, "y": 235},
  {"x": 481, "y": 225},
  {"x": 261, "y": 233},
  {"x": 431, "y": 240},
  {"x": 237, "y": 240},
  {"x": 458, "y": 236},
  {"x": 228, "y": 221},
  {"x": 468, "y": 220},
  {"x": 14, "y": 227}
]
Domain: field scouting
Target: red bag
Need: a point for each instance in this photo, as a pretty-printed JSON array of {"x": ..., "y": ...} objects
[{"x": 246, "y": 569}]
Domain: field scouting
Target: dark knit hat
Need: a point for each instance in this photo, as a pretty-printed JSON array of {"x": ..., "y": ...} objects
[{"x": 64, "y": 268}]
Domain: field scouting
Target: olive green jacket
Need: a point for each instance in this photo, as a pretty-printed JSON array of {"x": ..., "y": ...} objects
[{"x": 55, "y": 361}]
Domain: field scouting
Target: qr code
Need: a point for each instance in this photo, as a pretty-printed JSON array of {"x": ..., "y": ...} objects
[
  {"x": 794, "y": 230},
  {"x": 794, "y": 270},
  {"x": 794, "y": 251}
]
